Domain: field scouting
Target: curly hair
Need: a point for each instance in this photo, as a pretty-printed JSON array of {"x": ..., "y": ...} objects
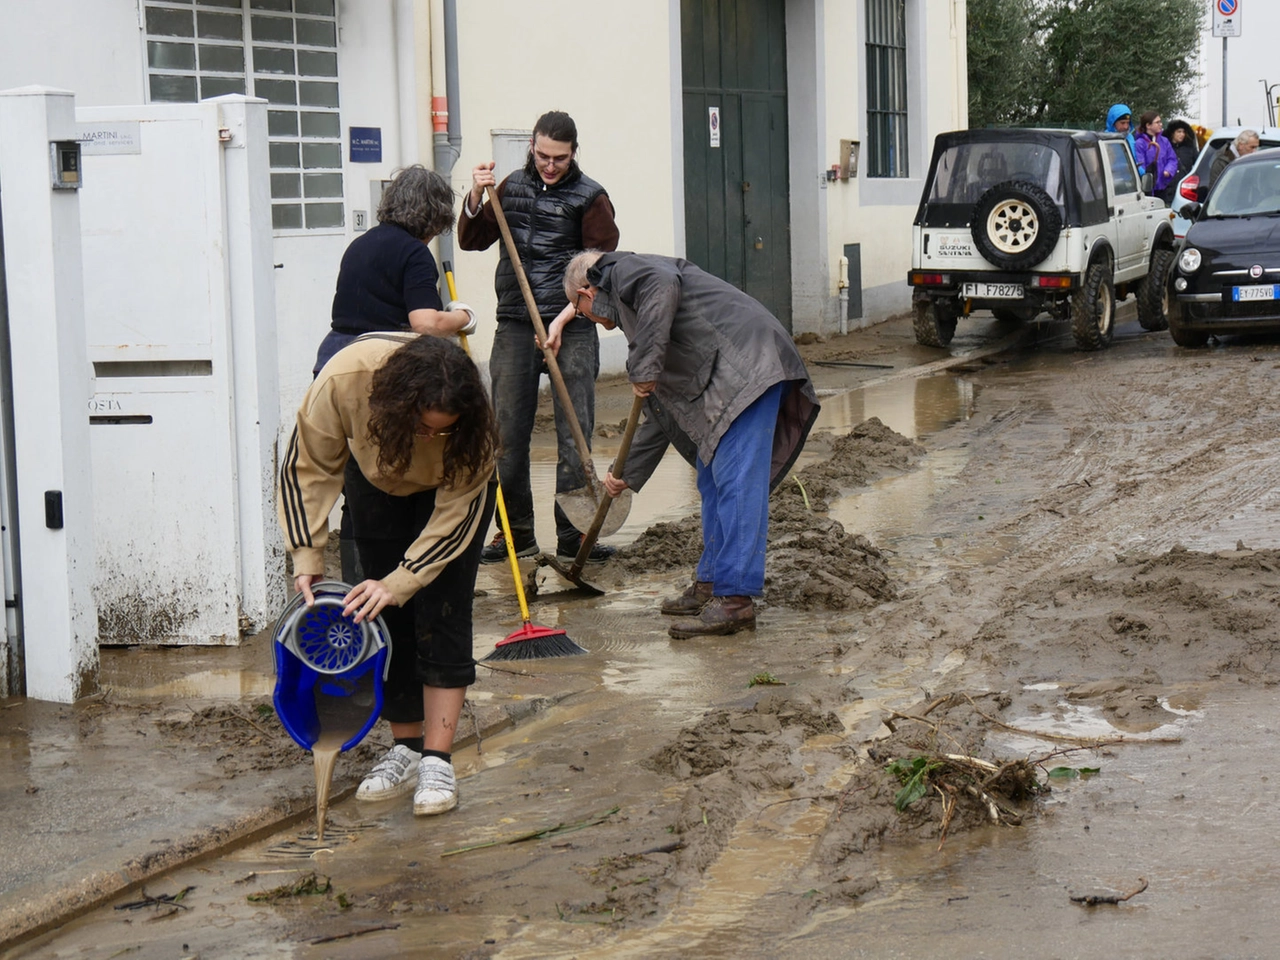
[
  {"x": 419, "y": 201},
  {"x": 431, "y": 373}
]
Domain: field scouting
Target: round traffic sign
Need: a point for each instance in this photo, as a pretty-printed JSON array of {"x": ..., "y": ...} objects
[{"x": 1228, "y": 7}]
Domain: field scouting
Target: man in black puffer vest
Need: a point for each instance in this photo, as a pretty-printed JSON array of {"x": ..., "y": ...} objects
[{"x": 554, "y": 211}]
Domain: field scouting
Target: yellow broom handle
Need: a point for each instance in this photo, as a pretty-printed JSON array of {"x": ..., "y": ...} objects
[{"x": 502, "y": 507}]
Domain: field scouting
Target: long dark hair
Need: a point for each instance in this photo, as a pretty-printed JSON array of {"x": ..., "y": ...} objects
[
  {"x": 431, "y": 373},
  {"x": 1144, "y": 121},
  {"x": 554, "y": 125}
]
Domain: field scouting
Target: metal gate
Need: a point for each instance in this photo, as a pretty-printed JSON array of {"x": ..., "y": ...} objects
[
  {"x": 159, "y": 291},
  {"x": 736, "y": 180}
]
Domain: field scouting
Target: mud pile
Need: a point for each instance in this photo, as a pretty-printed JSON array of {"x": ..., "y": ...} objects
[
  {"x": 725, "y": 762},
  {"x": 867, "y": 452},
  {"x": 249, "y": 737},
  {"x": 813, "y": 563},
  {"x": 1181, "y": 616}
]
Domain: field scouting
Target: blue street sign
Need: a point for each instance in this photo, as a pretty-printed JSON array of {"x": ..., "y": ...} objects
[{"x": 366, "y": 142}]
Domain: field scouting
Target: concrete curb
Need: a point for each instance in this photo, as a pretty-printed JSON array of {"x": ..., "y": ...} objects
[{"x": 39, "y": 907}]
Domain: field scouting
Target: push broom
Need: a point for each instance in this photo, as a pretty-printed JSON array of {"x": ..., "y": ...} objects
[{"x": 530, "y": 642}]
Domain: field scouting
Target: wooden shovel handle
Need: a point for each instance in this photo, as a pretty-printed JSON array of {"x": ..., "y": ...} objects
[
  {"x": 602, "y": 511},
  {"x": 557, "y": 379}
]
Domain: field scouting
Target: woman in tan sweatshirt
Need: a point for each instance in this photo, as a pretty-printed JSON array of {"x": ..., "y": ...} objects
[{"x": 404, "y": 424}]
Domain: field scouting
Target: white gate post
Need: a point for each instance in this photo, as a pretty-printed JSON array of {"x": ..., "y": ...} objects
[
  {"x": 52, "y": 384},
  {"x": 253, "y": 346}
]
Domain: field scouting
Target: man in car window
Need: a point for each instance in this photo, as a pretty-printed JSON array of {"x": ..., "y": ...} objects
[{"x": 1245, "y": 143}]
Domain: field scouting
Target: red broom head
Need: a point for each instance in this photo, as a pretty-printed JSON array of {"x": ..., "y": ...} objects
[{"x": 532, "y": 642}]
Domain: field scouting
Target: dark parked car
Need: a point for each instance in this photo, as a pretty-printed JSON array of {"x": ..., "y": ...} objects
[
  {"x": 1195, "y": 185},
  {"x": 1227, "y": 277}
]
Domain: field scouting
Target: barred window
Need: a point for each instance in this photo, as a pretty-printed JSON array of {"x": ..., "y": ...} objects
[
  {"x": 285, "y": 51},
  {"x": 887, "y": 88}
]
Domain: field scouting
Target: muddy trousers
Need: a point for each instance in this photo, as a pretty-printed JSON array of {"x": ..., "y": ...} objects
[
  {"x": 431, "y": 634},
  {"x": 516, "y": 366},
  {"x": 735, "y": 500}
]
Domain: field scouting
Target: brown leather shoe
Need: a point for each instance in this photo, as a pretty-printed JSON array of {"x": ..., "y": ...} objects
[
  {"x": 689, "y": 603},
  {"x": 721, "y": 615}
]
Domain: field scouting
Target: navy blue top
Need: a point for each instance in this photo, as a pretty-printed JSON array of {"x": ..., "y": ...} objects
[{"x": 385, "y": 274}]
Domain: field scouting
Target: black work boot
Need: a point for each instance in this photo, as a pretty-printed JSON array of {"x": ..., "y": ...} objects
[
  {"x": 720, "y": 616},
  {"x": 689, "y": 603}
]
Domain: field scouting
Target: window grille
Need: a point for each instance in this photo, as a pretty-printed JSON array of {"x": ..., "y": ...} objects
[
  {"x": 285, "y": 51},
  {"x": 887, "y": 88}
]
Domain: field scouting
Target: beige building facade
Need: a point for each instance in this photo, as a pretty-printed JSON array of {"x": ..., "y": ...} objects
[{"x": 780, "y": 143}]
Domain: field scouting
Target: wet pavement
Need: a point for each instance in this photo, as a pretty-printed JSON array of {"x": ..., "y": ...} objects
[{"x": 113, "y": 807}]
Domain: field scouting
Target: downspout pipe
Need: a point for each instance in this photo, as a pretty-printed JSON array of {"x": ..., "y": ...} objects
[{"x": 445, "y": 115}]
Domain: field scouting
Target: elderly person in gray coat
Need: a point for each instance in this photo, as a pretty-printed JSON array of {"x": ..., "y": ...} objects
[
  {"x": 1245, "y": 143},
  {"x": 729, "y": 387}
]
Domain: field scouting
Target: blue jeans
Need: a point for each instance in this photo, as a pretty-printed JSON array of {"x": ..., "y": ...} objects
[
  {"x": 735, "y": 500},
  {"x": 515, "y": 366}
]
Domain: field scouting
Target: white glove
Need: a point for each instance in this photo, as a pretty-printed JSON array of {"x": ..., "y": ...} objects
[{"x": 470, "y": 328}]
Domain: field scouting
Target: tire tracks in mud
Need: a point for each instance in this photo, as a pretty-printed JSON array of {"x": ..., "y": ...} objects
[{"x": 1153, "y": 466}]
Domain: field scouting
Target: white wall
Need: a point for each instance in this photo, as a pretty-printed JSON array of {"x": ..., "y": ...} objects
[
  {"x": 877, "y": 212},
  {"x": 609, "y": 66},
  {"x": 89, "y": 47},
  {"x": 1251, "y": 58},
  {"x": 305, "y": 283}
]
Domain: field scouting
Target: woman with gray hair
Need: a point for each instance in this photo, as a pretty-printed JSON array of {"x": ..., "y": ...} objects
[{"x": 388, "y": 279}]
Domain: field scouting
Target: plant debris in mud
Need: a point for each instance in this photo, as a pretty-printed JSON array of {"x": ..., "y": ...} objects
[
  {"x": 160, "y": 900},
  {"x": 1000, "y": 790},
  {"x": 1094, "y": 899},
  {"x": 307, "y": 885}
]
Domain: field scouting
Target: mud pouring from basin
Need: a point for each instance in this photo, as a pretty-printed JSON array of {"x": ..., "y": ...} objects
[{"x": 330, "y": 673}]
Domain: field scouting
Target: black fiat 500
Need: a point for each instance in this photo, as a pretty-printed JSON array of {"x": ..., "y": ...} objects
[{"x": 1227, "y": 276}]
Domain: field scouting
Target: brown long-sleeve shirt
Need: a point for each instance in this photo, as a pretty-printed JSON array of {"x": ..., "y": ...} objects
[{"x": 332, "y": 426}]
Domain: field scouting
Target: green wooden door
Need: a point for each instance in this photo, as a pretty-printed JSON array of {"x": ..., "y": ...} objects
[{"x": 737, "y": 215}]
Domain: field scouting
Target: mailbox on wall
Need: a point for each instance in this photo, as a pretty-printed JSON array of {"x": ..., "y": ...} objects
[{"x": 64, "y": 158}]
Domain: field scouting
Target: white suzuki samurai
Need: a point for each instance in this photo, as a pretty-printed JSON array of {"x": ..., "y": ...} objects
[{"x": 1024, "y": 222}]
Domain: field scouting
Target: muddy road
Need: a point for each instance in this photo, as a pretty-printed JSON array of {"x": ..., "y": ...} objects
[{"x": 1004, "y": 565}]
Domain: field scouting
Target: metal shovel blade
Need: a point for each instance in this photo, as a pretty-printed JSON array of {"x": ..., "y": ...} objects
[
  {"x": 580, "y": 507},
  {"x": 570, "y": 573}
]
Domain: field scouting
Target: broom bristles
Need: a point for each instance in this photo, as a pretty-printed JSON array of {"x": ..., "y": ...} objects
[{"x": 534, "y": 643}]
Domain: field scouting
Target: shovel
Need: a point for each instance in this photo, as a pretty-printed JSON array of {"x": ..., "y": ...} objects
[
  {"x": 592, "y": 493},
  {"x": 574, "y": 573}
]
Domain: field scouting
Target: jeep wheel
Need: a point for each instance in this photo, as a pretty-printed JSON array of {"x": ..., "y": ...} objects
[
  {"x": 1181, "y": 335},
  {"x": 1015, "y": 225},
  {"x": 1153, "y": 292},
  {"x": 1093, "y": 308},
  {"x": 934, "y": 322}
]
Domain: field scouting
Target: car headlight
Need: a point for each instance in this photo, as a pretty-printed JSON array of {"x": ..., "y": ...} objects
[{"x": 1189, "y": 262}]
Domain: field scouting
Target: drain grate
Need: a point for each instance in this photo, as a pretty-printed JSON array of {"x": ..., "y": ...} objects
[{"x": 304, "y": 845}]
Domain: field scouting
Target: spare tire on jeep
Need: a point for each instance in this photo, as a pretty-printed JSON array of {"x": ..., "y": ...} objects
[{"x": 1015, "y": 225}]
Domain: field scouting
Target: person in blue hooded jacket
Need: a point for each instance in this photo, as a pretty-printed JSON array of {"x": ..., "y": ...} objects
[{"x": 1120, "y": 120}]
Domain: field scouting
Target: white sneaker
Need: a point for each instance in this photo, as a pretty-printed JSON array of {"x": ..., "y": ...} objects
[
  {"x": 437, "y": 787},
  {"x": 392, "y": 776}
]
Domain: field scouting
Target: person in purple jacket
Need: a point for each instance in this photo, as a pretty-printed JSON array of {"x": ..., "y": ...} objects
[{"x": 1155, "y": 152}]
